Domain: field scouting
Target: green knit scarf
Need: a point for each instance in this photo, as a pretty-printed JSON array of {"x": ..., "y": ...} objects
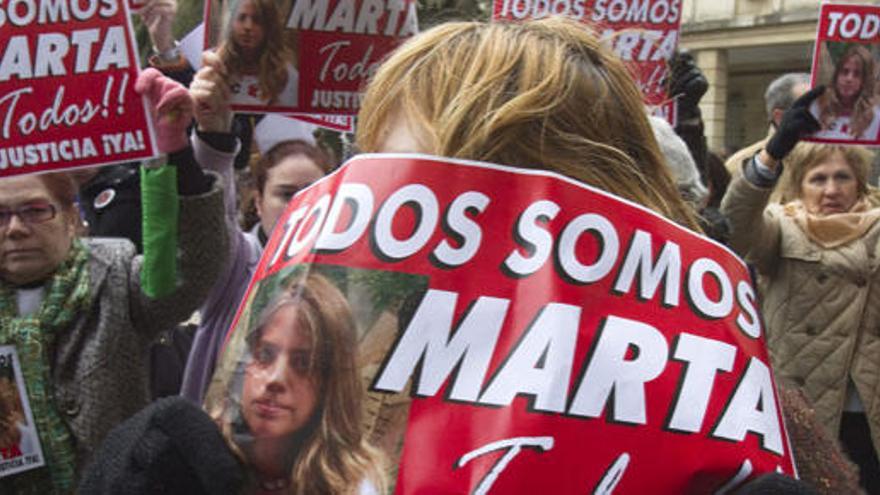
[{"x": 67, "y": 296}]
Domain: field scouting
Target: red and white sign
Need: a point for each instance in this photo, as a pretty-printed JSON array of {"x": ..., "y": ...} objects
[
  {"x": 643, "y": 33},
  {"x": 67, "y": 99},
  {"x": 340, "y": 123},
  {"x": 845, "y": 60},
  {"x": 566, "y": 340},
  {"x": 330, "y": 49}
]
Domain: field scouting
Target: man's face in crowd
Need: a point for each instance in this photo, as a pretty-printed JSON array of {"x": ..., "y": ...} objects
[{"x": 796, "y": 91}]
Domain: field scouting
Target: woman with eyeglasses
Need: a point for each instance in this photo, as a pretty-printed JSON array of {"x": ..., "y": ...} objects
[{"x": 75, "y": 309}]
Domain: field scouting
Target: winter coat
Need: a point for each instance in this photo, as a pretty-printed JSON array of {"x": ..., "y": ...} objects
[
  {"x": 821, "y": 306},
  {"x": 100, "y": 368}
]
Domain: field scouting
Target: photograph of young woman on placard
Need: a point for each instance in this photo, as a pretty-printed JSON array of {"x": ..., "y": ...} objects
[
  {"x": 847, "y": 110},
  {"x": 253, "y": 50},
  {"x": 292, "y": 409}
]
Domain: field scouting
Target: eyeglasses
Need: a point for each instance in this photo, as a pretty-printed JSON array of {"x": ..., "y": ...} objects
[{"x": 30, "y": 214}]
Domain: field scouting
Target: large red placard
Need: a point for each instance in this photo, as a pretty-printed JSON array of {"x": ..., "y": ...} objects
[
  {"x": 551, "y": 338},
  {"x": 67, "y": 99}
]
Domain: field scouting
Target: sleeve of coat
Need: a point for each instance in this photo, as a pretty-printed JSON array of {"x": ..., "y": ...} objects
[
  {"x": 202, "y": 255},
  {"x": 222, "y": 164},
  {"x": 754, "y": 228}
]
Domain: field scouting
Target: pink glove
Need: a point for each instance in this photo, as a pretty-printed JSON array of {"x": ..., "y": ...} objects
[{"x": 170, "y": 107}]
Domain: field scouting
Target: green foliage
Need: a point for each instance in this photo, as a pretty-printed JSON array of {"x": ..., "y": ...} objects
[
  {"x": 434, "y": 12},
  {"x": 382, "y": 290},
  {"x": 189, "y": 15},
  {"x": 388, "y": 289}
]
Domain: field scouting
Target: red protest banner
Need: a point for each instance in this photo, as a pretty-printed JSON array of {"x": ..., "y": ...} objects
[
  {"x": 67, "y": 100},
  {"x": 845, "y": 58},
  {"x": 643, "y": 33},
  {"x": 308, "y": 56},
  {"x": 517, "y": 332}
]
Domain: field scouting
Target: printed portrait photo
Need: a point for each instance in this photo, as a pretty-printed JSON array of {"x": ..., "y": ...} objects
[
  {"x": 20, "y": 448},
  {"x": 257, "y": 51},
  {"x": 290, "y": 393},
  {"x": 849, "y": 110}
]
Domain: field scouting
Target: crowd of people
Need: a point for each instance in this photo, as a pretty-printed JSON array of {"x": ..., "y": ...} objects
[{"x": 83, "y": 309}]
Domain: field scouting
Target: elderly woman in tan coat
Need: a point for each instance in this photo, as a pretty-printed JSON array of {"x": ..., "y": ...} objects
[{"x": 818, "y": 257}]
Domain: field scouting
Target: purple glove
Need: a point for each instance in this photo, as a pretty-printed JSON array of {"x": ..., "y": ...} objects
[{"x": 170, "y": 107}]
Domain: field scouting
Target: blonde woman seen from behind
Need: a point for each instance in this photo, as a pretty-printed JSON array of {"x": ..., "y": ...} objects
[{"x": 541, "y": 95}]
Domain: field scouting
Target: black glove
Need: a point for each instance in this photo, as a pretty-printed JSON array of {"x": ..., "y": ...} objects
[
  {"x": 797, "y": 123},
  {"x": 688, "y": 84},
  {"x": 170, "y": 447},
  {"x": 775, "y": 484}
]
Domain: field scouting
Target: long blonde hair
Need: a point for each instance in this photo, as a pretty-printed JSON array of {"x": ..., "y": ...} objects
[
  {"x": 334, "y": 456},
  {"x": 863, "y": 109},
  {"x": 542, "y": 94},
  {"x": 274, "y": 55}
]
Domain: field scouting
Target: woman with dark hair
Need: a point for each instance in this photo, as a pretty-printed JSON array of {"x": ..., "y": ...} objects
[
  {"x": 281, "y": 172},
  {"x": 293, "y": 409},
  {"x": 847, "y": 110},
  {"x": 258, "y": 62}
]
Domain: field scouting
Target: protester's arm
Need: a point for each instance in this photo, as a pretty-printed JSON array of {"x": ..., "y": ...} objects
[
  {"x": 158, "y": 16},
  {"x": 687, "y": 86},
  {"x": 214, "y": 144},
  {"x": 754, "y": 231},
  {"x": 202, "y": 236},
  {"x": 215, "y": 148}
]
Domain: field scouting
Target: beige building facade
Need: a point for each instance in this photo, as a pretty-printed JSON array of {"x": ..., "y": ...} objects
[{"x": 742, "y": 45}]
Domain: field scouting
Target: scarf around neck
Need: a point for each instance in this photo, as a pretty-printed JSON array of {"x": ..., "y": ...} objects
[
  {"x": 837, "y": 229},
  {"x": 66, "y": 297}
]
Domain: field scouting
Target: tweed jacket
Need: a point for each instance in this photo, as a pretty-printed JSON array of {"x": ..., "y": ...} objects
[
  {"x": 100, "y": 367},
  {"x": 821, "y": 306}
]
